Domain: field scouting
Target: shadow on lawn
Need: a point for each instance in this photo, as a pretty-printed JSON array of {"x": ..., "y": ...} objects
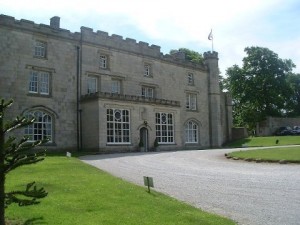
[
  {"x": 34, "y": 221},
  {"x": 238, "y": 143}
]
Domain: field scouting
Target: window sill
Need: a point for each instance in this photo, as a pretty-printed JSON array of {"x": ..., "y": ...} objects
[
  {"x": 118, "y": 144},
  {"x": 39, "y": 95},
  {"x": 104, "y": 69},
  {"x": 148, "y": 76},
  {"x": 166, "y": 144},
  {"x": 192, "y": 110},
  {"x": 40, "y": 57},
  {"x": 45, "y": 145}
]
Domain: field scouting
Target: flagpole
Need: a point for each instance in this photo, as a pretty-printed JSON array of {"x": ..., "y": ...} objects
[{"x": 211, "y": 38}]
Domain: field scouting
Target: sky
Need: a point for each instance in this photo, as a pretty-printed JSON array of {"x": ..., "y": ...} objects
[{"x": 235, "y": 24}]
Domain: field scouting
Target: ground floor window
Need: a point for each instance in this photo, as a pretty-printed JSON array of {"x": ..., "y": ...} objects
[
  {"x": 164, "y": 128},
  {"x": 191, "y": 132},
  {"x": 42, "y": 128},
  {"x": 118, "y": 126}
]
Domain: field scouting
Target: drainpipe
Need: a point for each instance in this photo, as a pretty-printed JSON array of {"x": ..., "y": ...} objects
[{"x": 78, "y": 94}]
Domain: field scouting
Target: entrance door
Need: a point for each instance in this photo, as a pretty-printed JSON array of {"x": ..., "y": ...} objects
[{"x": 144, "y": 138}]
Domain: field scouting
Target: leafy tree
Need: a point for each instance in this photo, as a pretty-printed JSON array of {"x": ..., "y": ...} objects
[
  {"x": 14, "y": 154},
  {"x": 293, "y": 103},
  {"x": 190, "y": 55},
  {"x": 259, "y": 88}
]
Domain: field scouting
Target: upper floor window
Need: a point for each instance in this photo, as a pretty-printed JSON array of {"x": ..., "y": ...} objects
[
  {"x": 40, "y": 49},
  {"x": 103, "y": 62},
  {"x": 191, "y": 132},
  {"x": 164, "y": 125},
  {"x": 118, "y": 126},
  {"x": 191, "y": 101},
  {"x": 148, "y": 92},
  {"x": 147, "y": 70},
  {"x": 92, "y": 85},
  {"x": 39, "y": 82},
  {"x": 41, "y": 128},
  {"x": 190, "y": 79},
  {"x": 116, "y": 86}
]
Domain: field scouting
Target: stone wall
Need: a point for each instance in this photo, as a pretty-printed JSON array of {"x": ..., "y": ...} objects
[
  {"x": 226, "y": 117},
  {"x": 239, "y": 133},
  {"x": 271, "y": 124},
  {"x": 17, "y": 60},
  {"x": 71, "y": 58}
]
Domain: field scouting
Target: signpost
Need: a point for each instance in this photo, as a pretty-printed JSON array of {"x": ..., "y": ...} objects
[{"x": 148, "y": 181}]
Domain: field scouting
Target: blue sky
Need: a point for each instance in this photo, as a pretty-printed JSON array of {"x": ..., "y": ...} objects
[{"x": 236, "y": 24}]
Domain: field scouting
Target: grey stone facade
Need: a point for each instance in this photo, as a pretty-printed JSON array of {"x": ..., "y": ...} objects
[{"x": 120, "y": 70}]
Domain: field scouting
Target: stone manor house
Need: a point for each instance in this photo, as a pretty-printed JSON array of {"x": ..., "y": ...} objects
[{"x": 92, "y": 91}]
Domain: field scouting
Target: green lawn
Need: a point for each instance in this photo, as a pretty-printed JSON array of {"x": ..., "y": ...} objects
[
  {"x": 265, "y": 141},
  {"x": 290, "y": 154},
  {"x": 81, "y": 194}
]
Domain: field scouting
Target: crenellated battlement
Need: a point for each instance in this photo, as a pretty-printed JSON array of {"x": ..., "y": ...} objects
[
  {"x": 100, "y": 38},
  {"x": 118, "y": 42},
  {"x": 208, "y": 55},
  {"x": 33, "y": 27}
]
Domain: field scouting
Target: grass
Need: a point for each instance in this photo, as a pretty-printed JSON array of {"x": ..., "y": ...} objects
[
  {"x": 265, "y": 141},
  {"x": 82, "y": 194},
  {"x": 289, "y": 154}
]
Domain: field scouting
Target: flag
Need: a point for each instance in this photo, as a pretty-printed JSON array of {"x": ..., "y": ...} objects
[{"x": 210, "y": 36}]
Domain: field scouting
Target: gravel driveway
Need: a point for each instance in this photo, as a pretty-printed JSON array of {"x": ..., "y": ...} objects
[{"x": 247, "y": 192}]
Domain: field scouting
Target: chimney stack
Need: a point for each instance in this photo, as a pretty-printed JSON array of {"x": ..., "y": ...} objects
[{"x": 54, "y": 22}]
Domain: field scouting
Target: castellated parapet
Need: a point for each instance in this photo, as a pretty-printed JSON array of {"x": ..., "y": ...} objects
[
  {"x": 210, "y": 55},
  {"x": 117, "y": 42},
  {"x": 30, "y": 26},
  {"x": 98, "y": 38},
  {"x": 87, "y": 35}
]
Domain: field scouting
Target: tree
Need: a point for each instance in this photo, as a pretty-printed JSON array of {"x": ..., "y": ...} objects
[
  {"x": 259, "y": 88},
  {"x": 293, "y": 103},
  {"x": 14, "y": 154},
  {"x": 190, "y": 55}
]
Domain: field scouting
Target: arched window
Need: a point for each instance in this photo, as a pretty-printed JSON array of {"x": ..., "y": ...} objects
[
  {"x": 42, "y": 127},
  {"x": 191, "y": 132}
]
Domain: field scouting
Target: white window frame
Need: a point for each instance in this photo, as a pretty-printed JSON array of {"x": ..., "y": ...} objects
[
  {"x": 40, "y": 49},
  {"x": 147, "y": 70},
  {"x": 39, "y": 82},
  {"x": 147, "y": 92},
  {"x": 191, "y": 101},
  {"x": 41, "y": 128},
  {"x": 92, "y": 85},
  {"x": 103, "y": 61},
  {"x": 190, "y": 79},
  {"x": 191, "y": 130},
  {"x": 118, "y": 126},
  {"x": 164, "y": 125},
  {"x": 116, "y": 86}
]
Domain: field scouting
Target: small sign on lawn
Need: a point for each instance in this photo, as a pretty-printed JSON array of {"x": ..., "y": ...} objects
[{"x": 148, "y": 181}]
